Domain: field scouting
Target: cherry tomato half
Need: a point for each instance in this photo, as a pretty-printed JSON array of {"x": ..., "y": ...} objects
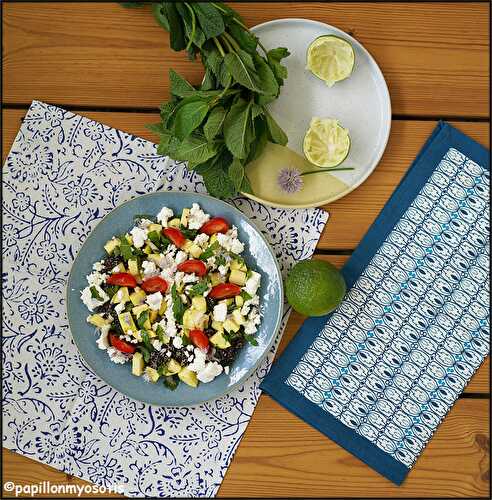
[
  {"x": 199, "y": 339},
  {"x": 224, "y": 291},
  {"x": 120, "y": 344},
  {"x": 122, "y": 279},
  {"x": 154, "y": 284},
  {"x": 175, "y": 235},
  {"x": 215, "y": 225},
  {"x": 193, "y": 266}
]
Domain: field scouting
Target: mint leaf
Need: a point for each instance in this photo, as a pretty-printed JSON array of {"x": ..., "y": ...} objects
[
  {"x": 276, "y": 134},
  {"x": 236, "y": 173},
  {"x": 145, "y": 353},
  {"x": 218, "y": 183},
  {"x": 267, "y": 79},
  {"x": 144, "y": 316},
  {"x": 179, "y": 86},
  {"x": 194, "y": 149},
  {"x": 160, "y": 15},
  {"x": 210, "y": 19},
  {"x": 251, "y": 340},
  {"x": 208, "y": 82},
  {"x": 261, "y": 138},
  {"x": 274, "y": 57},
  {"x": 189, "y": 117},
  {"x": 242, "y": 69},
  {"x": 236, "y": 127},
  {"x": 210, "y": 251},
  {"x": 199, "y": 288},
  {"x": 247, "y": 40},
  {"x": 176, "y": 34},
  {"x": 125, "y": 248},
  {"x": 246, "y": 186},
  {"x": 95, "y": 294},
  {"x": 214, "y": 123},
  {"x": 178, "y": 306},
  {"x": 171, "y": 382}
]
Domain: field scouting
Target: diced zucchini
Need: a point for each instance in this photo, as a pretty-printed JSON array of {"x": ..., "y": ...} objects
[
  {"x": 126, "y": 322},
  {"x": 176, "y": 222},
  {"x": 155, "y": 258},
  {"x": 229, "y": 301},
  {"x": 215, "y": 278},
  {"x": 230, "y": 326},
  {"x": 195, "y": 250},
  {"x": 187, "y": 246},
  {"x": 239, "y": 300},
  {"x": 121, "y": 296},
  {"x": 212, "y": 239},
  {"x": 154, "y": 227},
  {"x": 137, "y": 364},
  {"x": 218, "y": 340},
  {"x": 153, "y": 315},
  {"x": 129, "y": 238},
  {"x": 199, "y": 303},
  {"x": 152, "y": 374},
  {"x": 238, "y": 317},
  {"x": 194, "y": 319},
  {"x": 163, "y": 308},
  {"x": 98, "y": 320},
  {"x": 237, "y": 277},
  {"x": 138, "y": 296},
  {"x": 111, "y": 245},
  {"x": 185, "y": 215},
  {"x": 120, "y": 268},
  {"x": 173, "y": 367},
  {"x": 147, "y": 249},
  {"x": 133, "y": 268},
  {"x": 235, "y": 264},
  {"x": 138, "y": 310},
  {"x": 188, "y": 377},
  {"x": 151, "y": 333},
  {"x": 218, "y": 325}
]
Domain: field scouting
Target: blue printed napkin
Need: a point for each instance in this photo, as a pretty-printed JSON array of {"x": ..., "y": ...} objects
[
  {"x": 63, "y": 174},
  {"x": 380, "y": 373}
]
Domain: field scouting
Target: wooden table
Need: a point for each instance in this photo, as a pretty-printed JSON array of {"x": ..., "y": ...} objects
[{"x": 111, "y": 64}]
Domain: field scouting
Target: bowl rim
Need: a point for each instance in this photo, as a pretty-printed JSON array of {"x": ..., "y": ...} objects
[{"x": 279, "y": 312}]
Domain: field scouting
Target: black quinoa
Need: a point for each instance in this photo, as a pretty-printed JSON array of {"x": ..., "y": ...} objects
[
  {"x": 111, "y": 262},
  {"x": 227, "y": 356},
  {"x": 104, "y": 309},
  {"x": 158, "y": 358}
]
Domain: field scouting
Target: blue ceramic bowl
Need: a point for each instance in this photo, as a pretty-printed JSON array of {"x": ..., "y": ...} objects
[{"x": 257, "y": 254}]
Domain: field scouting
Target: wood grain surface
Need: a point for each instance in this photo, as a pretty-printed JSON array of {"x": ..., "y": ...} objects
[
  {"x": 433, "y": 55},
  {"x": 112, "y": 64}
]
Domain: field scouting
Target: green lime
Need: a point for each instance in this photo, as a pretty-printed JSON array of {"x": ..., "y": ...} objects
[
  {"x": 330, "y": 58},
  {"x": 314, "y": 287},
  {"x": 326, "y": 143}
]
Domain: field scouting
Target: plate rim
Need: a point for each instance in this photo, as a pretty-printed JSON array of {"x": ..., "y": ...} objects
[
  {"x": 389, "y": 114},
  {"x": 278, "y": 320}
]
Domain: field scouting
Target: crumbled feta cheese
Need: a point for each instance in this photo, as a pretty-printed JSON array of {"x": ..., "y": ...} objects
[
  {"x": 230, "y": 242},
  {"x": 199, "y": 361},
  {"x": 96, "y": 278},
  {"x": 156, "y": 344},
  {"x": 201, "y": 239},
  {"x": 170, "y": 328},
  {"x": 211, "y": 263},
  {"x": 226, "y": 369},
  {"x": 103, "y": 340},
  {"x": 144, "y": 223},
  {"x": 211, "y": 370},
  {"x": 220, "y": 311},
  {"x": 139, "y": 236},
  {"x": 149, "y": 268},
  {"x": 180, "y": 257},
  {"x": 119, "y": 308},
  {"x": 189, "y": 347},
  {"x": 177, "y": 342},
  {"x": 164, "y": 215},
  {"x": 178, "y": 278},
  {"x": 138, "y": 335},
  {"x": 197, "y": 217},
  {"x": 254, "y": 319},
  {"x": 190, "y": 278},
  {"x": 223, "y": 270},
  {"x": 252, "y": 283},
  {"x": 98, "y": 266},
  {"x": 116, "y": 269},
  {"x": 90, "y": 302},
  {"x": 116, "y": 356},
  {"x": 154, "y": 301}
]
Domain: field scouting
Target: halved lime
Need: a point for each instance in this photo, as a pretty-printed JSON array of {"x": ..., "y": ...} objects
[
  {"x": 326, "y": 143},
  {"x": 330, "y": 58}
]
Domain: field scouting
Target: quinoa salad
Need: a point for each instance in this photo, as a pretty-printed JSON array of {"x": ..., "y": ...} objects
[{"x": 174, "y": 297}]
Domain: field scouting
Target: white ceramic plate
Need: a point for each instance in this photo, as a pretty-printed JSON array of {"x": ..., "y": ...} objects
[{"x": 361, "y": 103}]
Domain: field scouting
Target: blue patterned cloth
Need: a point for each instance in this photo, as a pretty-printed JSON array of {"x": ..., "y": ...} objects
[
  {"x": 380, "y": 373},
  {"x": 63, "y": 174}
]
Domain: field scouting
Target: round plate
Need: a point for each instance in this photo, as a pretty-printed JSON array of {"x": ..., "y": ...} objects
[
  {"x": 361, "y": 103},
  {"x": 257, "y": 254}
]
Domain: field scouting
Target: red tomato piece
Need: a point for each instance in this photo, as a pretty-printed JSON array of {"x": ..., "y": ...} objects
[
  {"x": 224, "y": 291},
  {"x": 154, "y": 284},
  {"x": 199, "y": 339},
  {"x": 193, "y": 266},
  {"x": 120, "y": 344},
  {"x": 215, "y": 225},
  {"x": 122, "y": 279},
  {"x": 175, "y": 235}
]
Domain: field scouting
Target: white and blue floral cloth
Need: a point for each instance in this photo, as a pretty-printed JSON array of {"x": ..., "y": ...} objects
[
  {"x": 380, "y": 373},
  {"x": 63, "y": 174}
]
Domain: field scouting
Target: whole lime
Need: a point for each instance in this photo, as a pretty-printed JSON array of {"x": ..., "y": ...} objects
[{"x": 314, "y": 287}]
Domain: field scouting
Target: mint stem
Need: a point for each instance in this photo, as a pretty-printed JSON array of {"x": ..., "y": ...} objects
[
  {"x": 193, "y": 26},
  {"x": 219, "y": 46},
  {"x": 327, "y": 170}
]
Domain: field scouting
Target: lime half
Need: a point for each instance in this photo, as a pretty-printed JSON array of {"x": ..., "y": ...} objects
[
  {"x": 330, "y": 58},
  {"x": 326, "y": 143}
]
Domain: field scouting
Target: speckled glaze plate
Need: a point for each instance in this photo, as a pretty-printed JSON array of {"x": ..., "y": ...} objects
[
  {"x": 257, "y": 254},
  {"x": 361, "y": 103}
]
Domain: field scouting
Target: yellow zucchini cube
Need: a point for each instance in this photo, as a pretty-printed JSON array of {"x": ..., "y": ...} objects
[{"x": 126, "y": 322}]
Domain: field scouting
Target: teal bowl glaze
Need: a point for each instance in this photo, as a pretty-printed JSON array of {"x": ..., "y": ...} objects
[{"x": 258, "y": 255}]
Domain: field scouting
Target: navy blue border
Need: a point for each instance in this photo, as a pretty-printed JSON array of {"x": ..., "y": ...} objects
[{"x": 442, "y": 138}]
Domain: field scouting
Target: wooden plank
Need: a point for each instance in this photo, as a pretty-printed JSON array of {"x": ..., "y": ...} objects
[
  {"x": 435, "y": 56},
  {"x": 351, "y": 216},
  {"x": 282, "y": 456}
]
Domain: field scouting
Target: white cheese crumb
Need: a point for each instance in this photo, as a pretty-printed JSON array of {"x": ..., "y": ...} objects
[
  {"x": 177, "y": 342},
  {"x": 201, "y": 239},
  {"x": 156, "y": 344},
  {"x": 116, "y": 356},
  {"x": 226, "y": 369},
  {"x": 90, "y": 302},
  {"x": 98, "y": 266},
  {"x": 252, "y": 283},
  {"x": 164, "y": 215},
  {"x": 220, "y": 311},
  {"x": 144, "y": 223},
  {"x": 103, "y": 340},
  {"x": 139, "y": 236},
  {"x": 211, "y": 370},
  {"x": 189, "y": 347},
  {"x": 149, "y": 268},
  {"x": 230, "y": 242},
  {"x": 180, "y": 257},
  {"x": 119, "y": 308},
  {"x": 197, "y": 217},
  {"x": 154, "y": 301}
]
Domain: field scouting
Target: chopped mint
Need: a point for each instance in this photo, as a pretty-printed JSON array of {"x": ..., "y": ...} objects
[
  {"x": 95, "y": 294},
  {"x": 251, "y": 340}
]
